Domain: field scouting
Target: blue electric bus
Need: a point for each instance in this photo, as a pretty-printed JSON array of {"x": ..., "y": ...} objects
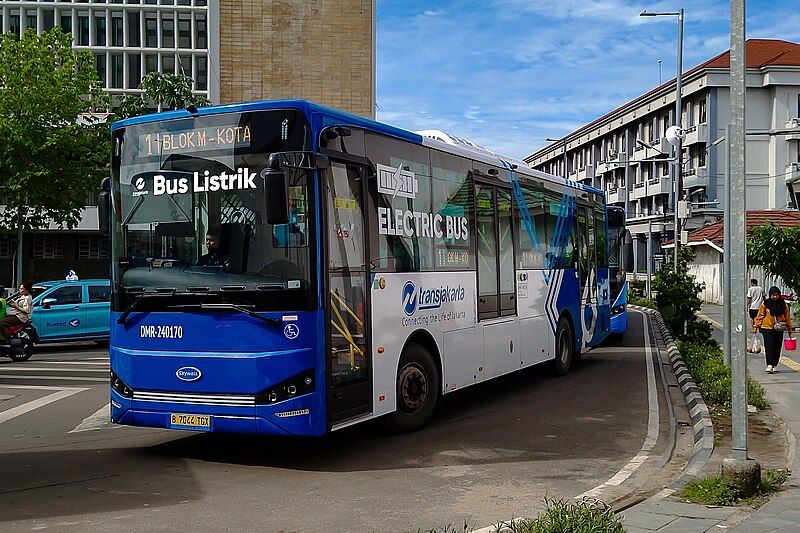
[{"x": 284, "y": 268}]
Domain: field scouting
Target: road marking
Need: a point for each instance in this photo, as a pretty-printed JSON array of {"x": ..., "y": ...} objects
[
  {"x": 19, "y": 410},
  {"x": 46, "y": 369},
  {"x": 709, "y": 319},
  {"x": 95, "y": 421},
  {"x": 58, "y": 378},
  {"x": 790, "y": 363},
  {"x": 652, "y": 424},
  {"x": 34, "y": 387}
]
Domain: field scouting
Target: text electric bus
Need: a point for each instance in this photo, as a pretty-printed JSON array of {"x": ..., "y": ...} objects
[{"x": 284, "y": 268}]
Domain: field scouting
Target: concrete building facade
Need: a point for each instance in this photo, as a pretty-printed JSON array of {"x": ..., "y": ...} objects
[
  {"x": 234, "y": 50},
  {"x": 625, "y": 151}
]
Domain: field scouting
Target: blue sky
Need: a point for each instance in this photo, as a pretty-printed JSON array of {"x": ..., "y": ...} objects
[{"x": 509, "y": 73}]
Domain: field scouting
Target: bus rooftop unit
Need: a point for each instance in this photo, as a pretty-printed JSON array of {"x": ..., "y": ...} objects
[{"x": 284, "y": 268}]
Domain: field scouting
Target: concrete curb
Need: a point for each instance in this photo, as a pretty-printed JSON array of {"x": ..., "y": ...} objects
[{"x": 702, "y": 427}]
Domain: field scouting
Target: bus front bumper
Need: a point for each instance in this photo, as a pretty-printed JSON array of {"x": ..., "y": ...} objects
[{"x": 295, "y": 417}]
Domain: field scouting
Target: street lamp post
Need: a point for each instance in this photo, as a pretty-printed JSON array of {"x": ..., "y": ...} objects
[
  {"x": 564, "y": 144},
  {"x": 677, "y": 148}
]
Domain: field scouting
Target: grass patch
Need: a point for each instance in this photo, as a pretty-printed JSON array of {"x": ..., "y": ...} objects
[
  {"x": 568, "y": 517},
  {"x": 716, "y": 491},
  {"x": 641, "y": 301},
  {"x": 713, "y": 378}
]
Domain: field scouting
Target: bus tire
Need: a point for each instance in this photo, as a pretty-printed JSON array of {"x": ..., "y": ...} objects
[
  {"x": 565, "y": 347},
  {"x": 417, "y": 390}
]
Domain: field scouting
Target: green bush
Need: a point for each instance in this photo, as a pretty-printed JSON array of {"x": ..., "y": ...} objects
[{"x": 706, "y": 365}]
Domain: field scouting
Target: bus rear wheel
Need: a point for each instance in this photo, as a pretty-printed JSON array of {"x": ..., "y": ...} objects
[
  {"x": 417, "y": 390},
  {"x": 565, "y": 347}
]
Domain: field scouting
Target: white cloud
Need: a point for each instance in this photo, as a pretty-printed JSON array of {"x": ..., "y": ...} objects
[{"x": 508, "y": 73}]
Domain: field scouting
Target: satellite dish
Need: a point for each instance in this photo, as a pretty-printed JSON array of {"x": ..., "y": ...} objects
[{"x": 675, "y": 135}]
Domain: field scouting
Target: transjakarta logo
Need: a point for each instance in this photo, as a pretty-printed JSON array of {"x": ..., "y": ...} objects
[
  {"x": 423, "y": 298},
  {"x": 205, "y": 182}
]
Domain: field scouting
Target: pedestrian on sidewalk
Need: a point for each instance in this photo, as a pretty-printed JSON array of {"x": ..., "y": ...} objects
[
  {"x": 773, "y": 320},
  {"x": 755, "y": 296}
]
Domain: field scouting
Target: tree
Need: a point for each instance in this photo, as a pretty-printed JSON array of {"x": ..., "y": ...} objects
[
  {"x": 52, "y": 154},
  {"x": 777, "y": 250},
  {"x": 678, "y": 298},
  {"x": 166, "y": 91}
]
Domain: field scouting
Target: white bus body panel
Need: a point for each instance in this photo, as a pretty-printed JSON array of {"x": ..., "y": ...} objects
[{"x": 471, "y": 351}]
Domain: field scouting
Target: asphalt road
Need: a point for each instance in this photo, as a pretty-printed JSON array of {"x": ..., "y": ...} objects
[{"x": 492, "y": 452}]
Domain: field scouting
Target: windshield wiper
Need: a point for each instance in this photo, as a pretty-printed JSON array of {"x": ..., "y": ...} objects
[
  {"x": 230, "y": 307},
  {"x": 134, "y": 304}
]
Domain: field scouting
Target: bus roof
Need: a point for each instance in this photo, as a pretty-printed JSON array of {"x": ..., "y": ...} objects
[{"x": 322, "y": 116}]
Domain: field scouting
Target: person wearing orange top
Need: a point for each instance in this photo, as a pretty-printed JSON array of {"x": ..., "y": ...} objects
[{"x": 773, "y": 320}]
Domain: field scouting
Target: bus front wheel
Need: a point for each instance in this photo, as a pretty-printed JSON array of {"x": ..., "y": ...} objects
[
  {"x": 565, "y": 347},
  {"x": 417, "y": 390}
]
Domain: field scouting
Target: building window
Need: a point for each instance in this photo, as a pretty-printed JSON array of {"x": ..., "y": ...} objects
[
  {"x": 168, "y": 64},
  {"x": 201, "y": 37},
  {"x": 6, "y": 247},
  {"x": 133, "y": 29},
  {"x": 30, "y": 19},
  {"x": 701, "y": 111},
  {"x": 167, "y": 31},
  {"x": 186, "y": 65},
  {"x": 184, "y": 31},
  {"x": 100, "y": 61},
  {"x": 66, "y": 23},
  {"x": 13, "y": 23},
  {"x": 83, "y": 29},
  {"x": 150, "y": 64},
  {"x": 92, "y": 247},
  {"x": 117, "y": 72},
  {"x": 100, "y": 31},
  {"x": 116, "y": 30},
  {"x": 201, "y": 79},
  {"x": 151, "y": 30},
  {"x": 48, "y": 246},
  {"x": 134, "y": 71}
]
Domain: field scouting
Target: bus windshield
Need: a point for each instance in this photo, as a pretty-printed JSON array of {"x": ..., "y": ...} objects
[{"x": 190, "y": 213}]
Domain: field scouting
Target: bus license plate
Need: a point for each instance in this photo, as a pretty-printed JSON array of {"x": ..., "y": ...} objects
[{"x": 192, "y": 422}]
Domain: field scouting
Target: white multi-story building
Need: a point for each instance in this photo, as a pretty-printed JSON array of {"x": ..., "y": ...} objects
[{"x": 624, "y": 151}]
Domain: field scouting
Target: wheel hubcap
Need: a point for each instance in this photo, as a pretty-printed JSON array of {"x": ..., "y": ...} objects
[{"x": 413, "y": 389}]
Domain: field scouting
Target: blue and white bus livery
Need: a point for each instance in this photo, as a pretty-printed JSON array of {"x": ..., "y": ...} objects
[{"x": 285, "y": 268}]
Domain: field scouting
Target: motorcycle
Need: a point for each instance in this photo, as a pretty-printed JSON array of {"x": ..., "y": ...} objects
[{"x": 20, "y": 345}]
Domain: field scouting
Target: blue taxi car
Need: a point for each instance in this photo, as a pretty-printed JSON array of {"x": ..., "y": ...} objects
[{"x": 72, "y": 310}]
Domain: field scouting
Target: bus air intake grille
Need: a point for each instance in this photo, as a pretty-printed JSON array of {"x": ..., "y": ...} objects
[{"x": 205, "y": 399}]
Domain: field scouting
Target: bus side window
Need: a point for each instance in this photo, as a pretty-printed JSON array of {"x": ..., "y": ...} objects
[{"x": 531, "y": 241}]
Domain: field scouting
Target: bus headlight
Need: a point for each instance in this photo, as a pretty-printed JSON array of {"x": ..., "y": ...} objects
[
  {"x": 617, "y": 309},
  {"x": 290, "y": 388},
  {"x": 119, "y": 386}
]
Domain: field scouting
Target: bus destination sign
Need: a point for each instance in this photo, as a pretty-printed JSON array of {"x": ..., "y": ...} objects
[{"x": 194, "y": 140}]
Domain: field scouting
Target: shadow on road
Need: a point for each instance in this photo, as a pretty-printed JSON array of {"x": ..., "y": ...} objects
[{"x": 597, "y": 412}]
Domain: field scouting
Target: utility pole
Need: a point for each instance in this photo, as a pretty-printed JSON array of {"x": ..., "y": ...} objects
[
  {"x": 742, "y": 472},
  {"x": 679, "y": 146},
  {"x": 726, "y": 255}
]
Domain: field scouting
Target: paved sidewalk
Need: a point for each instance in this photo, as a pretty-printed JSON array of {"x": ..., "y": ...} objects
[{"x": 665, "y": 514}]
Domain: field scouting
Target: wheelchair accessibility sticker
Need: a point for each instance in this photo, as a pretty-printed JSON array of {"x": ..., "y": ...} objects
[{"x": 291, "y": 331}]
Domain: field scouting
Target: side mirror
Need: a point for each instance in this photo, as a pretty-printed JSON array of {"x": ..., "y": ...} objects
[
  {"x": 47, "y": 302},
  {"x": 276, "y": 187},
  {"x": 104, "y": 207}
]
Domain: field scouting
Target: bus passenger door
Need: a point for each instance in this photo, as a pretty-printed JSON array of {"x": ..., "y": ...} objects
[
  {"x": 586, "y": 258},
  {"x": 348, "y": 362}
]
